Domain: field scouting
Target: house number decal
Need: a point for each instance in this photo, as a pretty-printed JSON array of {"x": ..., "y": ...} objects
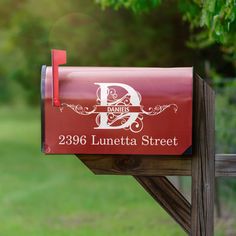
[{"x": 114, "y": 111}]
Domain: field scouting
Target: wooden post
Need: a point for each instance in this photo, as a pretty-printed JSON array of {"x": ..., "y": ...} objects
[{"x": 203, "y": 161}]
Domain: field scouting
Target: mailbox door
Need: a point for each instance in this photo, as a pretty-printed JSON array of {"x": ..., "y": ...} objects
[{"x": 144, "y": 111}]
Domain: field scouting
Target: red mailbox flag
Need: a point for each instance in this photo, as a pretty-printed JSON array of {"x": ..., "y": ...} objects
[
  {"x": 116, "y": 110},
  {"x": 58, "y": 58}
]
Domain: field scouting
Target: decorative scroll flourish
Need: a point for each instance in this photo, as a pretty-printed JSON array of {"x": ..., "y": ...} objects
[
  {"x": 153, "y": 111},
  {"x": 120, "y": 114},
  {"x": 79, "y": 109},
  {"x": 137, "y": 125},
  {"x": 111, "y": 95}
]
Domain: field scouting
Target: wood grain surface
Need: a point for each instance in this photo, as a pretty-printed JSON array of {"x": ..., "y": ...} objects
[
  {"x": 225, "y": 165},
  {"x": 203, "y": 160}
]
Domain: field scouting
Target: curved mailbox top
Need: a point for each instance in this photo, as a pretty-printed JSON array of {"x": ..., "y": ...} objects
[{"x": 105, "y": 110}]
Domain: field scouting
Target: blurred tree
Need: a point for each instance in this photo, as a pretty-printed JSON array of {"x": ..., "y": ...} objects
[
  {"x": 29, "y": 29},
  {"x": 226, "y": 118},
  {"x": 216, "y": 18}
]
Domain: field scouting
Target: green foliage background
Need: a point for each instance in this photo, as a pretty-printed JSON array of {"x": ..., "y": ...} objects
[
  {"x": 215, "y": 18},
  {"x": 153, "y": 33},
  {"x": 99, "y": 33},
  {"x": 158, "y": 33}
]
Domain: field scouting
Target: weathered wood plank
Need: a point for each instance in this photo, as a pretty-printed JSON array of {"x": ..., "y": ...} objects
[
  {"x": 203, "y": 161},
  {"x": 225, "y": 165},
  {"x": 154, "y": 166},
  {"x": 138, "y": 165},
  {"x": 164, "y": 192}
]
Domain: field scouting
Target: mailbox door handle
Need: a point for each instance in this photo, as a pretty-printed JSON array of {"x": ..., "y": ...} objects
[{"x": 58, "y": 58}]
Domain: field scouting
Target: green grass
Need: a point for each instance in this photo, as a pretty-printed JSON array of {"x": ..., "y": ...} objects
[{"x": 57, "y": 195}]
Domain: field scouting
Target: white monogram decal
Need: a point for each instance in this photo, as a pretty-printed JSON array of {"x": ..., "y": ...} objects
[{"x": 114, "y": 112}]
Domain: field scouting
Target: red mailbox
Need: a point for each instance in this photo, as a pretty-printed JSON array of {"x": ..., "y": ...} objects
[{"x": 115, "y": 110}]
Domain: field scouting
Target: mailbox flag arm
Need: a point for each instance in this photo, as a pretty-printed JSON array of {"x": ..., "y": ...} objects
[{"x": 58, "y": 58}]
